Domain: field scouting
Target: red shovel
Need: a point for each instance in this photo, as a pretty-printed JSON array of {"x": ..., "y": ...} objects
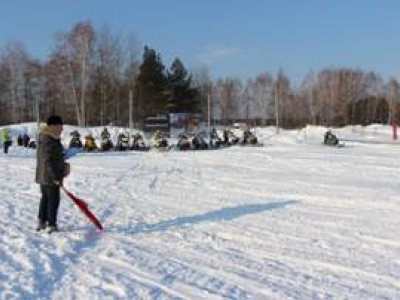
[{"x": 83, "y": 206}]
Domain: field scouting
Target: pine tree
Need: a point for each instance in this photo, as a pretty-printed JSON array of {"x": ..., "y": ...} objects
[
  {"x": 181, "y": 96},
  {"x": 151, "y": 83}
]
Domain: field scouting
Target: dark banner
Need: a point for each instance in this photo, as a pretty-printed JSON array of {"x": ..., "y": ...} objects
[{"x": 157, "y": 122}]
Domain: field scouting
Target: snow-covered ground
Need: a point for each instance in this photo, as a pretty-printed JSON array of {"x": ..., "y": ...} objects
[{"x": 291, "y": 220}]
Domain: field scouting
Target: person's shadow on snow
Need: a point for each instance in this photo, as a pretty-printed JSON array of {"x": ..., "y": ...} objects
[{"x": 223, "y": 214}]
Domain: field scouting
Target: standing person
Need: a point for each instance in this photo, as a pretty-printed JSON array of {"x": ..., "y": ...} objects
[
  {"x": 25, "y": 139},
  {"x": 5, "y": 136},
  {"x": 50, "y": 172}
]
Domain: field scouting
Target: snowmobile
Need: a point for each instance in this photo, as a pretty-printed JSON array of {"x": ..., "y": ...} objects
[
  {"x": 215, "y": 140},
  {"x": 199, "y": 143},
  {"x": 123, "y": 142},
  {"x": 159, "y": 141},
  {"x": 249, "y": 138},
  {"x": 90, "y": 144},
  {"x": 230, "y": 138},
  {"x": 183, "y": 142},
  {"x": 138, "y": 143},
  {"x": 32, "y": 144},
  {"x": 106, "y": 143},
  {"x": 75, "y": 141},
  {"x": 331, "y": 140}
]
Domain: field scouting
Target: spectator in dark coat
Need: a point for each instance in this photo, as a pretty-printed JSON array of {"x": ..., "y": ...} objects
[
  {"x": 25, "y": 139},
  {"x": 19, "y": 140},
  {"x": 50, "y": 171}
]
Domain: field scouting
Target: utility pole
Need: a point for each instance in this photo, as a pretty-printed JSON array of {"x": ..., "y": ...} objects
[
  {"x": 130, "y": 115},
  {"x": 209, "y": 111},
  {"x": 247, "y": 107},
  {"x": 276, "y": 96},
  {"x": 37, "y": 112},
  {"x": 35, "y": 94}
]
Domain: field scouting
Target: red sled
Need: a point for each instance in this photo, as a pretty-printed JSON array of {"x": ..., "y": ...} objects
[{"x": 83, "y": 206}]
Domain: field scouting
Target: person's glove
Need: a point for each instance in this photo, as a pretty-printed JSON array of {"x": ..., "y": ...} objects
[{"x": 67, "y": 169}]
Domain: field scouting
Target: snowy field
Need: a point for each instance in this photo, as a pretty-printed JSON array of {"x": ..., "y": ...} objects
[{"x": 291, "y": 220}]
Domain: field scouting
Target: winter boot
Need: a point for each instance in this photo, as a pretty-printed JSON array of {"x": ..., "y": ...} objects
[
  {"x": 52, "y": 228},
  {"x": 41, "y": 225}
]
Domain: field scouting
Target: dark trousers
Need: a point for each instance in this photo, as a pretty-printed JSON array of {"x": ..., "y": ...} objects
[
  {"x": 6, "y": 145},
  {"x": 49, "y": 204}
]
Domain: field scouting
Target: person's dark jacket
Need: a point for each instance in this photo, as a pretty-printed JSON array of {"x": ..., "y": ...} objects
[
  {"x": 50, "y": 158},
  {"x": 25, "y": 139}
]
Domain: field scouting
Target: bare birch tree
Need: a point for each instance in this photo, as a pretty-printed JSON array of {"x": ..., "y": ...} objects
[
  {"x": 309, "y": 92},
  {"x": 77, "y": 48},
  {"x": 264, "y": 91},
  {"x": 281, "y": 94},
  {"x": 228, "y": 90},
  {"x": 16, "y": 57},
  {"x": 201, "y": 80},
  {"x": 393, "y": 98}
]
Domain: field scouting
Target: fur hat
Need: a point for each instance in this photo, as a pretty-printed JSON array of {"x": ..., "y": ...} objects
[{"x": 54, "y": 120}]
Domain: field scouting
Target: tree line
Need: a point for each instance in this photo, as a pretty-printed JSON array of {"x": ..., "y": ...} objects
[{"x": 96, "y": 77}]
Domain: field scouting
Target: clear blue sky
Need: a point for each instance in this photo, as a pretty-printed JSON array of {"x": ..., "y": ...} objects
[{"x": 238, "y": 38}]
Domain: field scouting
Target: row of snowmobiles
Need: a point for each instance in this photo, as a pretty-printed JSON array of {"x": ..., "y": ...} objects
[
  {"x": 160, "y": 142},
  {"x": 198, "y": 141},
  {"x": 106, "y": 143}
]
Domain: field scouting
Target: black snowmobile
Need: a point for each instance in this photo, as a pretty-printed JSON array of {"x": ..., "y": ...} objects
[
  {"x": 32, "y": 144},
  {"x": 230, "y": 138},
  {"x": 249, "y": 139},
  {"x": 183, "y": 142},
  {"x": 332, "y": 140},
  {"x": 122, "y": 142},
  {"x": 138, "y": 143},
  {"x": 199, "y": 143}
]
